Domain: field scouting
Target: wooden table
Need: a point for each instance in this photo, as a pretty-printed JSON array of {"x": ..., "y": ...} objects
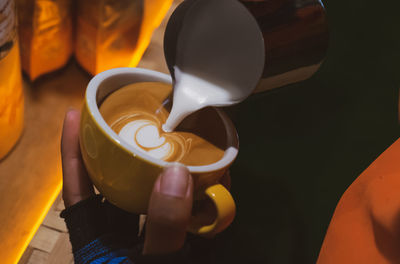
[{"x": 30, "y": 176}]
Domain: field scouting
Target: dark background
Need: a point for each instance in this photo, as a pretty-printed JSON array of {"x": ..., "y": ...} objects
[{"x": 302, "y": 145}]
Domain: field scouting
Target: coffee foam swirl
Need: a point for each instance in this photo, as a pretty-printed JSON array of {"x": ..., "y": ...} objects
[
  {"x": 143, "y": 132},
  {"x": 136, "y": 112}
]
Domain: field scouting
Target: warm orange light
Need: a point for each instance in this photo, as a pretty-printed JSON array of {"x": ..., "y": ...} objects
[
  {"x": 17, "y": 253},
  {"x": 154, "y": 12},
  {"x": 11, "y": 100},
  {"x": 45, "y": 31},
  {"x": 115, "y": 35}
]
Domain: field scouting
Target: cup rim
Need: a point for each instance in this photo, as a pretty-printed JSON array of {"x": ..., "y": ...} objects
[{"x": 90, "y": 97}]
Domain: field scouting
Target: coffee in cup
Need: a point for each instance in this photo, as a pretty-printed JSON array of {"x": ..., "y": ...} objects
[
  {"x": 124, "y": 174},
  {"x": 136, "y": 113}
]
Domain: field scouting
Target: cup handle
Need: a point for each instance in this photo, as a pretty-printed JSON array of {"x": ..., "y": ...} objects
[{"x": 225, "y": 212}]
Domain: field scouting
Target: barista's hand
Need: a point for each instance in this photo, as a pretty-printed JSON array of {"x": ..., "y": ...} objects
[
  {"x": 76, "y": 183},
  {"x": 170, "y": 204}
]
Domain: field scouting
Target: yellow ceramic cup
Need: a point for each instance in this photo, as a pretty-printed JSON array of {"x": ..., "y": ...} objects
[{"x": 126, "y": 176}]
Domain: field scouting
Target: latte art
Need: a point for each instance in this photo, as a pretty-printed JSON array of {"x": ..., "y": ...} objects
[
  {"x": 143, "y": 132},
  {"x": 136, "y": 113}
]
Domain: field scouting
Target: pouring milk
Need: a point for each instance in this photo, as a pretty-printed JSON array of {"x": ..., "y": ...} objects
[{"x": 215, "y": 51}]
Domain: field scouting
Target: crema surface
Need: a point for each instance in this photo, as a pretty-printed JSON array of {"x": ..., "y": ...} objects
[{"x": 135, "y": 112}]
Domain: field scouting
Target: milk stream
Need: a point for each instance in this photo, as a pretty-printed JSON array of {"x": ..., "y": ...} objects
[
  {"x": 218, "y": 60},
  {"x": 191, "y": 94}
]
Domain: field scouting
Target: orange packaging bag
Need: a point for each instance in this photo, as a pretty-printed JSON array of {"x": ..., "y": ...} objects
[
  {"x": 45, "y": 32},
  {"x": 11, "y": 93},
  {"x": 115, "y": 33}
]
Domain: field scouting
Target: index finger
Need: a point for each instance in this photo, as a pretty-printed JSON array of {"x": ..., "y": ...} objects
[{"x": 76, "y": 183}]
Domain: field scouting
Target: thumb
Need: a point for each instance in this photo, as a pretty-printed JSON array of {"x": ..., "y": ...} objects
[{"x": 169, "y": 211}]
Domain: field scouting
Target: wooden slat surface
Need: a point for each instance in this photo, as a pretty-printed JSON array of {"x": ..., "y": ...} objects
[
  {"x": 45, "y": 239},
  {"x": 62, "y": 252},
  {"x": 50, "y": 245},
  {"x": 38, "y": 257}
]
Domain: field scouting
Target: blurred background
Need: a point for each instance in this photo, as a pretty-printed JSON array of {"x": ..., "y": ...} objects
[{"x": 301, "y": 146}]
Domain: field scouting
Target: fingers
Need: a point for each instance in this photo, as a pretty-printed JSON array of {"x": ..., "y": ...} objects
[
  {"x": 169, "y": 211},
  {"x": 76, "y": 183}
]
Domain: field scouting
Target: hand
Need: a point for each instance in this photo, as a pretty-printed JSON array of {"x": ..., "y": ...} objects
[
  {"x": 170, "y": 203},
  {"x": 76, "y": 183}
]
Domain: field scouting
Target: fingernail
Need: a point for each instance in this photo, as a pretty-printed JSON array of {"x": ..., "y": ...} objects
[
  {"x": 70, "y": 112},
  {"x": 175, "y": 181}
]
